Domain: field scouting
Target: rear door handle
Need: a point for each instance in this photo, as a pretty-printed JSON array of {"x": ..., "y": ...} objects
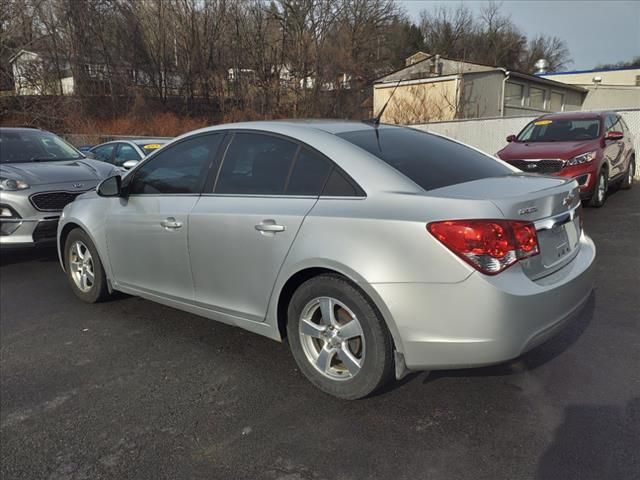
[
  {"x": 270, "y": 226},
  {"x": 170, "y": 223}
]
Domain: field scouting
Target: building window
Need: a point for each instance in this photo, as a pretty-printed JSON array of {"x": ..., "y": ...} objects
[
  {"x": 557, "y": 102},
  {"x": 514, "y": 94},
  {"x": 536, "y": 98}
]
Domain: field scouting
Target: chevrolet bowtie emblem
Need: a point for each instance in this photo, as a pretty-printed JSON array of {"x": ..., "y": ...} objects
[{"x": 568, "y": 200}]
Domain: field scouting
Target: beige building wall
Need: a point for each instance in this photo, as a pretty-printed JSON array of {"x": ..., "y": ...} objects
[
  {"x": 629, "y": 77},
  {"x": 418, "y": 101}
]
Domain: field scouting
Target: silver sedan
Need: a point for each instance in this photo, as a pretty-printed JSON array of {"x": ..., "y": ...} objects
[{"x": 374, "y": 250}]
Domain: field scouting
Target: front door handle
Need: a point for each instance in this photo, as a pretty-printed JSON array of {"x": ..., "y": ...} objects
[
  {"x": 269, "y": 226},
  {"x": 170, "y": 223}
]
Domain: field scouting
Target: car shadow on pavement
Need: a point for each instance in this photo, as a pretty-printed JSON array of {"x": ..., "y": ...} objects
[
  {"x": 534, "y": 358},
  {"x": 594, "y": 442},
  {"x": 43, "y": 253}
]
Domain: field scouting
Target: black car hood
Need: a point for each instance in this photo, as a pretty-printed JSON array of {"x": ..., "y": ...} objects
[{"x": 41, "y": 173}]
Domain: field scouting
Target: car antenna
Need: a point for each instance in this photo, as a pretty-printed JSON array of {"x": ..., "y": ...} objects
[{"x": 376, "y": 119}]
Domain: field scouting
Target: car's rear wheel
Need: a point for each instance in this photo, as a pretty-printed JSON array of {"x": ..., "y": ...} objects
[
  {"x": 627, "y": 183},
  {"x": 84, "y": 268},
  {"x": 600, "y": 190},
  {"x": 338, "y": 338}
]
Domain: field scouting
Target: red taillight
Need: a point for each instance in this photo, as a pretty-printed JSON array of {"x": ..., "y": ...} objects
[{"x": 490, "y": 246}]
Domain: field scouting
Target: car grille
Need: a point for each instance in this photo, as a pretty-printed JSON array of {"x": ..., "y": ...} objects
[
  {"x": 52, "y": 201},
  {"x": 45, "y": 231},
  {"x": 538, "y": 166}
]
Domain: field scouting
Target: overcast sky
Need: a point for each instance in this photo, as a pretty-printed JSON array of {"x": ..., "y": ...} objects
[{"x": 603, "y": 31}]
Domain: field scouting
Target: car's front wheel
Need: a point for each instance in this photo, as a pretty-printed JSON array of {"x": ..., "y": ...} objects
[
  {"x": 600, "y": 190},
  {"x": 84, "y": 268},
  {"x": 338, "y": 338}
]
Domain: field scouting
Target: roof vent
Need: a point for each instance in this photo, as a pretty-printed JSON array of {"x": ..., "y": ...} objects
[{"x": 542, "y": 66}]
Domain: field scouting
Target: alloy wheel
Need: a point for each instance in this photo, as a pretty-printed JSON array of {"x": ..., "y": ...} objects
[
  {"x": 81, "y": 266},
  {"x": 332, "y": 338}
]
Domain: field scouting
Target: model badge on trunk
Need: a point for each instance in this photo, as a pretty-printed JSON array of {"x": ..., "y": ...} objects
[{"x": 524, "y": 211}]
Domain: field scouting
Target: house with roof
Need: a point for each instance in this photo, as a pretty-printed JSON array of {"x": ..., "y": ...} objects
[
  {"x": 431, "y": 87},
  {"x": 611, "y": 88}
]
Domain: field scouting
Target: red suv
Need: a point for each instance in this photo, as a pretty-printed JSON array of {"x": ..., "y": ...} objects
[{"x": 595, "y": 148}]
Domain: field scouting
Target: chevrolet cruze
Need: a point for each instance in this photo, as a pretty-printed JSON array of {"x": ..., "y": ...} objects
[
  {"x": 373, "y": 249},
  {"x": 595, "y": 148}
]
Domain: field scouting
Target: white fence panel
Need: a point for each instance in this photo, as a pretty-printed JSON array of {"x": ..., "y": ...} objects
[{"x": 489, "y": 134}]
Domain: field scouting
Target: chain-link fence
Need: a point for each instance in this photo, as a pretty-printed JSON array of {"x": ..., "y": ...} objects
[{"x": 489, "y": 134}]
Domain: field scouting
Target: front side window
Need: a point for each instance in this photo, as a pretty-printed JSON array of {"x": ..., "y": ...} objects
[
  {"x": 429, "y": 160},
  {"x": 536, "y": 98},
  {"x": 125, "y": 152},
  {"x": 34, "y": 146},
  {"x": 513, "y": 94},
  {"x": 180, "y": 168},
  {"x": 256, "y": 164},
  {"x": 560, "y": 130}
]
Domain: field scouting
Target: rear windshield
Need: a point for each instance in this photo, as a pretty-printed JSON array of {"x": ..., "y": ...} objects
[
  {"x": 430, "y": 161},
  {"x": 553, "y": 130}
]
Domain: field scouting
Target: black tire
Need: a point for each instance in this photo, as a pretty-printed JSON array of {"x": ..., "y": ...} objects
[
  {"x": 377, "y": 365},
  {"x": 627, "y": 182},
  {"x": 97, "y": 291},
  {"x": 597, "y": 200}
]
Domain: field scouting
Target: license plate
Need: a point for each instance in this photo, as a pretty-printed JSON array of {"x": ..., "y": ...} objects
[{"x": 559, "y": 242}]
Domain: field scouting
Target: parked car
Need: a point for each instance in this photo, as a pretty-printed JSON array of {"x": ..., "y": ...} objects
[
  {"x": 373, "y": 250},
  {"x": 39, "y": 174},
  {"x": 594, "y": 148},
  {"x": 126, "y": 154}
]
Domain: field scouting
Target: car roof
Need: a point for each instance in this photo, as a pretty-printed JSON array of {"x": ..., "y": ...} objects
[
  {"x": 147, "y": 141},
  {"x": 329, "y": 126},
  {"x": 22, "y": 129}
]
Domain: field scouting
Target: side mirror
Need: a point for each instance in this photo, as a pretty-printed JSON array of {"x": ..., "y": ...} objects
[
  {"x": 614, "y": 135},
  {"x": 110, "y": 187},
  {"x": 511, "y": 138},
  {"x": 129, "y": 164}
]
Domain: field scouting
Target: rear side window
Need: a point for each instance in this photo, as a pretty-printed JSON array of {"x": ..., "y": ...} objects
[
  {"x": 256, "y": 164},
  {"x": 309, "y": 174},
  {"x": 430, "y": 161}
]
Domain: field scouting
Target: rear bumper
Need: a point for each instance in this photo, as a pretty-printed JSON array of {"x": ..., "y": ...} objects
[{"x": 486, "y": 320}]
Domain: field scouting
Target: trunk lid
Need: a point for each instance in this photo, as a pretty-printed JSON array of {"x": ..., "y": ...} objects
[{"x": 551, "y": 203}]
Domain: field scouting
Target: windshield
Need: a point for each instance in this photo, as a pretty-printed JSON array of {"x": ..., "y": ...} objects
[
  {"x": 556, "y": 130},
  {"x": 429, "y": 160},
  {"x": 34, "y": 146}
]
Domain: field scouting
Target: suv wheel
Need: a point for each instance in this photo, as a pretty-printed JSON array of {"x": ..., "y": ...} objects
[
  {"x": 627, "y": 183},
  {"x": 600, "y": 190},
  {"x": 338, "y": 338},
  {"x": 84, "y": 269}
]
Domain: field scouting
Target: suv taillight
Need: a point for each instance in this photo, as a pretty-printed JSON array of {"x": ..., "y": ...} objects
[{"x": 489, "y": 246}]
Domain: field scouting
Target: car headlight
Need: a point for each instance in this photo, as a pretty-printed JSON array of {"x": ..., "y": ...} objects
[
  {"x": 582, "y": 158},
  {"x": 11, "y": 185}
]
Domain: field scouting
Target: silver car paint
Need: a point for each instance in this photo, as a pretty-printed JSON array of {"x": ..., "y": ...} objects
[
  {"x": 60, "y": 176},
  {"x": 440, "y": 311}
]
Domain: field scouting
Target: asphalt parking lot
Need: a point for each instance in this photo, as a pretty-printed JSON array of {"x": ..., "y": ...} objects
[{"x": 131, "y": 389}]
